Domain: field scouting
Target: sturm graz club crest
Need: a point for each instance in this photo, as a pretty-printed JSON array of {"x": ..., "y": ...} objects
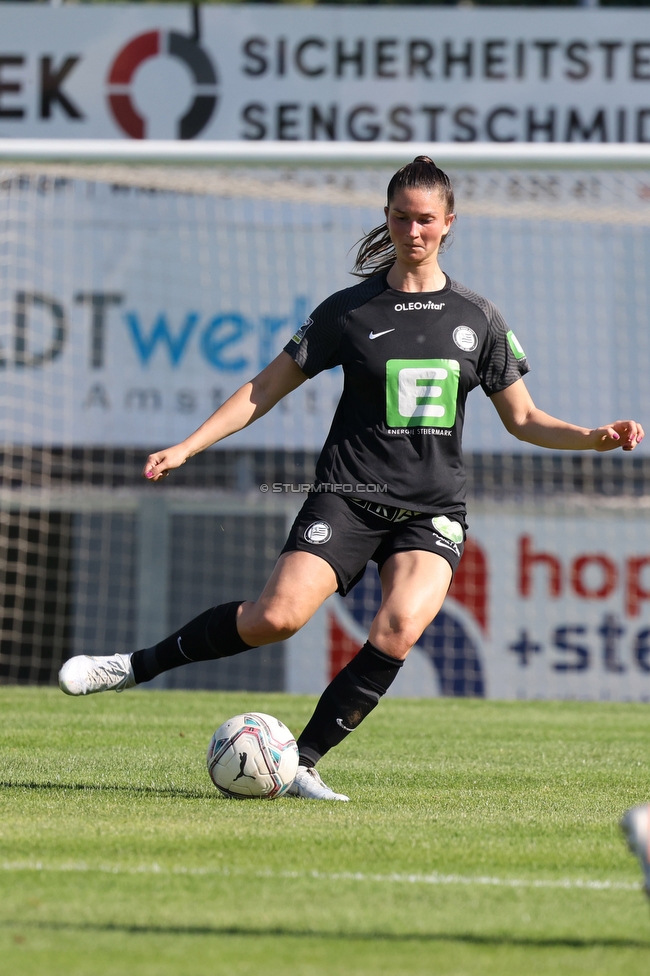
[
  {"x": 465, "y": 338},
  {"x": 318, "y": 533}
]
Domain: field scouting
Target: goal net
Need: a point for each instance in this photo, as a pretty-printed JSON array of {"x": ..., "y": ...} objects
[{"x": 140, "y": 285}]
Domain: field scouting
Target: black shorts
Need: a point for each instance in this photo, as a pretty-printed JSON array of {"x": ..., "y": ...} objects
[{"x": 347, "y": 533}]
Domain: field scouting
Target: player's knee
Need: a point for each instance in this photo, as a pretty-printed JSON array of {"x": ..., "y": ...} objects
[
  {"x": 400, "y": 635},
  {"x": 398, "y": 646},
  {"x": 280, "y": 621}
]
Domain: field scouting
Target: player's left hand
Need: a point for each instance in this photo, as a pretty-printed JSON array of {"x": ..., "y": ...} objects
[{"x": 622, "y": 433}]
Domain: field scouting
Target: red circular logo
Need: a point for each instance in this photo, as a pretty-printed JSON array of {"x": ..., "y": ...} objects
[{"x": 151, "y": 45}]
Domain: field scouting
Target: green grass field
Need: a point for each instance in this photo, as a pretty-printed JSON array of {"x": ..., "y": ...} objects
[{"x": 481, "y": 839}]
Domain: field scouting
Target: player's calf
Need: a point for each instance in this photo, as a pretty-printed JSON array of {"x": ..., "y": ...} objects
[
  {"x": 347, "y": 700},
  {"x": 211, "y": 635}
]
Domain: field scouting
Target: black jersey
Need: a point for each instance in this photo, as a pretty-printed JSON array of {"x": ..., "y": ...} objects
[{"x": 409, "y": 361}]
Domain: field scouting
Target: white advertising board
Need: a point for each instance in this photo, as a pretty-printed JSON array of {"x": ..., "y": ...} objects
[
  {"x": 360, "y": 74},
  {"x": 569, "y": 610},
  {"x": 127, "y": 317},
  {"x": 543, "y": 606}
]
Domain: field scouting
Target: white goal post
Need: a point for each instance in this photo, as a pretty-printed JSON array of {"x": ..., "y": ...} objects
[
  {"x": 515, "y": 155},
  {"x": 141, "y": 282}
]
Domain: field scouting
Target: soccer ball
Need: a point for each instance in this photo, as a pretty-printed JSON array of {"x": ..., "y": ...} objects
[{"x": 252, "y": 756}]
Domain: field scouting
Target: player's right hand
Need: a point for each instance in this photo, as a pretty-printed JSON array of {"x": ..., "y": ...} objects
[{"x": 162, "y": 462}]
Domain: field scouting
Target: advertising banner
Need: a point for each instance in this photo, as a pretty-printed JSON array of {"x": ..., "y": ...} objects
[
  {"x": 127, "y": 317},
  {"x": 359, "y": 74},
  {"x": 542, "y": 606}
]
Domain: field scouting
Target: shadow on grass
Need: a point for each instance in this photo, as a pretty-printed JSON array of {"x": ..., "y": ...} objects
[
  {"x": 463, "y": 938},
  {"x": 174, "y": 791}
]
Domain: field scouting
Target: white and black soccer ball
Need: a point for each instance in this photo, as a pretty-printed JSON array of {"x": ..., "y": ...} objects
[{"x": 252, "y": 756}]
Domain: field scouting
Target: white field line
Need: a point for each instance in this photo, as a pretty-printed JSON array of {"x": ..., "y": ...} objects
[{"x": 422, "y": 879}]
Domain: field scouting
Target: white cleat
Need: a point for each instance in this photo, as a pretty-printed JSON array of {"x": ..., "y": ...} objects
[
  {"x": 635, "y": 824},
  {"x": 85, "y": 675},
  {"x": 309, "y": 786}
]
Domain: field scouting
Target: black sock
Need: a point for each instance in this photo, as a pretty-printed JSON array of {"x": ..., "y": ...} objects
[
  {"x": 211, "y": 635},
  {"x": 346, "y": 701}
]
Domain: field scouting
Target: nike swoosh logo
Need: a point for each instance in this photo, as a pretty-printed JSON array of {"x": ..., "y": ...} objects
[
  {"x": 338, "y": 721},
  {"x": 178, "y": 644},
  {"x": 375, "y": 335},
  {"x": 447, "y": 545}
]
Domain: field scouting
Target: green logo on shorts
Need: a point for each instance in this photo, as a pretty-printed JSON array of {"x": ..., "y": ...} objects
[
  {"x": 421, "y": 392},
  {"x": 448, "y": 528},
  {"x": 515, "y": 345}
]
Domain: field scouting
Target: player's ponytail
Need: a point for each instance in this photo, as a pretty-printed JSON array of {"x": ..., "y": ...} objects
[{"x": 376, "y": 252}]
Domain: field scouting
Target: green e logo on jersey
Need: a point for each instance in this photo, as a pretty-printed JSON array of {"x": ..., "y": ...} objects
[
  {"x": 421, "y": 392},
  {"x": 515, "y": 345}
]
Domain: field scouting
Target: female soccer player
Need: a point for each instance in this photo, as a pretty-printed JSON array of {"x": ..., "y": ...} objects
[{"x": 412, "y": 344}]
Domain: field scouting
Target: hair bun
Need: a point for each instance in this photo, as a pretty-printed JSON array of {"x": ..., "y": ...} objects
[{"x": 425, "y": 159}]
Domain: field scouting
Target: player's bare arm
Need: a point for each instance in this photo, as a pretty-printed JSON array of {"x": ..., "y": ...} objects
[
  {"x": 248, "y": 404},
  {"x": 526, "y": 422}
]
